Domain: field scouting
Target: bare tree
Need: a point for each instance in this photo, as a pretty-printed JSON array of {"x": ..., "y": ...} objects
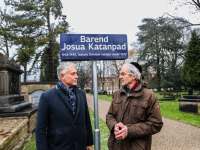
[
  {"x": 84, "y": 71},
  {"x": 117, "y": 64},
  {"x": 103, "y": 70},
  {"x": 193, "y": 9}
]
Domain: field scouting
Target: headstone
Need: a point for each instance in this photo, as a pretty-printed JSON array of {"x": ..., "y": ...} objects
[
  {"x": 190, "y": 103},
  {"x": 190, "y": 91},
  {"x": 10, "y": 98},
  {"x": 35, "y": 96}
]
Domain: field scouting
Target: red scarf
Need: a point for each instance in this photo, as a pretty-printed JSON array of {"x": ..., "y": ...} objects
[{"x": 135, "y": 86}]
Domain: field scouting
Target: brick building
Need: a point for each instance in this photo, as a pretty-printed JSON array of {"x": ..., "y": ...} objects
[{"x": 109, "y": 84}]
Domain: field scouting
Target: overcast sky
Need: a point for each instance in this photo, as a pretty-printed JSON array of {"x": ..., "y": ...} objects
[
  {"x": 114, "y": 16},
  {"x": 118, "y": 16},
  {"x": 111, "y": 16}
]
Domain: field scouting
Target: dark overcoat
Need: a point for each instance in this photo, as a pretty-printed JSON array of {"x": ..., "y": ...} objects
[{"x": 57, "y": 128}]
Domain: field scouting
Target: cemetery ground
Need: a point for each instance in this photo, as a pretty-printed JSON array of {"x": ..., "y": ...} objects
[
  {"x": 169, "y": 109},
  {"x": 102, "y": 126}
]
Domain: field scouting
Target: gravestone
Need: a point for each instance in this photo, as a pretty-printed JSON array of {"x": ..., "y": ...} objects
[
  {"x": 35, "y": 96},
  {"x": 10, "y": 98},
  {"x": 190, "y": 103}
]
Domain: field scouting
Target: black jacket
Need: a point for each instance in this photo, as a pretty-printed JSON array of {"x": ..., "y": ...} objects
[{"x": 57, "y": 128}]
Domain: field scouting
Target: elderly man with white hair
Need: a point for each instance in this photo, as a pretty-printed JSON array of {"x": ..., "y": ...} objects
[{"x": 134, "y": 114}]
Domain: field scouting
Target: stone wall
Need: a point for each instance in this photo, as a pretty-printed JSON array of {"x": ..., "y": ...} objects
[
  {"x": 15, "y": 131},
  {"x": 24, "y": 91},
  {"x": 29, "y": 87},
  {"x": 32, "y": 122}
]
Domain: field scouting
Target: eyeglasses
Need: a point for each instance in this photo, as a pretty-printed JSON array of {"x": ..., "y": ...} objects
[{"x": 123, "y": 74}]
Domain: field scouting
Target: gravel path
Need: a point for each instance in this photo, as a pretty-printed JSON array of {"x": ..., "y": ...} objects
[{"x": 173, "y": 136}]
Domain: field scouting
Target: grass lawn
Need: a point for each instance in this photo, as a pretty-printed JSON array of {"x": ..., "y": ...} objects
[
  {"x": 104, "y": 132},
  {"x": 104, "y": 97},
  {"x": 31, "y": 145},
  {"x": 170, "y": 110}
]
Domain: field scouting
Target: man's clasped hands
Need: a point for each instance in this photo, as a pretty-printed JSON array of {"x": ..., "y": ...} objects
[{"x": 120, "y": 131}]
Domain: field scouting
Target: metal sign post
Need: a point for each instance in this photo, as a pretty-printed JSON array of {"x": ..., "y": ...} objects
[{"x": 96, "y": 112}]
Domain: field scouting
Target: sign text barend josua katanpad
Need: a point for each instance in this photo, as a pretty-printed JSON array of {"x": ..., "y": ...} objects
[{"x": 93, "y": 46}]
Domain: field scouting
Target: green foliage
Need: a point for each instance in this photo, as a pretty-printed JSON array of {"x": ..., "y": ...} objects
[
  {"x": 191, "y": 71},
  {"x": 44, "y": 71},
  {"x": 35, "y": 34},
  {"x": 172, "y": 79},
  {"x": 52, "y": 8},
  {"x": 25, "y": 24},
  {"x": 152, "y": 86},
  {"x": 6, "y": 40},
  {"x": 161, "y": 50}
]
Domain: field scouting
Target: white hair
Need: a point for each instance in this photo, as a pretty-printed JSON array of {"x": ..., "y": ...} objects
[
  {"x": 62, "y": 68},
  {"x": 133, "y": 71}
]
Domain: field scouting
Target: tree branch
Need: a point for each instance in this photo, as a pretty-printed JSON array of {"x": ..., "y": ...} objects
[
  {"x": 197, "y": 4},
  {"x": 3, "y": 50},
  {"x": 181, "y": 20}
]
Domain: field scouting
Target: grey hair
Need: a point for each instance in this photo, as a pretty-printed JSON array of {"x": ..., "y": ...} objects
[
  {"x": 62, "y": 68},
  {"x": 133, "y": 71}
]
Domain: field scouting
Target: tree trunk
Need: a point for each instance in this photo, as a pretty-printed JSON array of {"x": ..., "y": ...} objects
[
  {"x": 51, "y": 64},
  {"x": 50, "y": 49},
  {"x": 103, "y": 76},
  {"x": 158, "y": 69},
  {"x": 162, "y": 62},
  {"x": 25, "y": 71},
  {"x": 7, "y": 50}
]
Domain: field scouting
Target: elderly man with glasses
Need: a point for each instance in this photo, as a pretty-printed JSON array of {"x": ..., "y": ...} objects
[{"x": 134, "y": 114}]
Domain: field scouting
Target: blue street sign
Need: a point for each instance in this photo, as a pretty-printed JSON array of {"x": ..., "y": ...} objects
[{"x": 93, "y": 47}]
